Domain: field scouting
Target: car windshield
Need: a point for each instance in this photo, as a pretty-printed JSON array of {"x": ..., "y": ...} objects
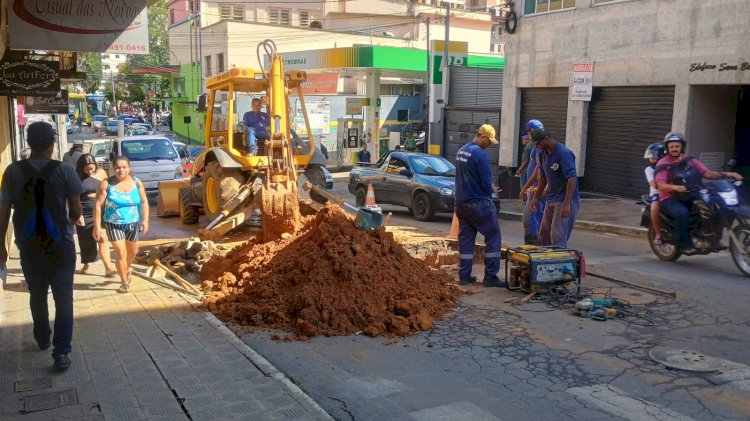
[
  {"x": 148, "y": 149},
  {"x": 112, "y": 123},
  {"x": 196, "y": 150},
  {"x": 433, "y": 165},
  {"x": 100, "y": 149},
  {"x": 100, "y": 118}
]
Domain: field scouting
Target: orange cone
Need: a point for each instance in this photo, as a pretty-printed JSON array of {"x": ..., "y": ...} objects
[
  {"x": 454, "y": 227},
  {"x": 370, "y": 198}
]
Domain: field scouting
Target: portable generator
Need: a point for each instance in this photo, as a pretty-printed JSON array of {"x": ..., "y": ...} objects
[{"x": 531, "y": 268}]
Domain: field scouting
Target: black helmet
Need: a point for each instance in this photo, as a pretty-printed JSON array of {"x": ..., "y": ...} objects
[
  {"x": 674, "y": 137},
  {"x": 654, "y": 151}
]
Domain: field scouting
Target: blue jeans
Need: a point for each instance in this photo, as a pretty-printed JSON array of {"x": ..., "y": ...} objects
[
  {"x": 476, "y": 217},
  {"x": 252, "y": 139},
  {"x": 555, "y": 230},
  {"x": 54, "y": 269},
  {"x": 680, "y": 212},
  {"x": 533, "y": 220}
]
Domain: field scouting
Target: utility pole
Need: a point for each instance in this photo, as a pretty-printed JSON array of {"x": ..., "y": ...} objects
[
  {"x": 114, "y": 93},
  {"x": 447, "y": 36},
  {"x": 427, "y": 86}
]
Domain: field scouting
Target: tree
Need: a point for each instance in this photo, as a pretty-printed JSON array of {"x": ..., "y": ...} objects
[
  {"x": 158, "y": 41},
  {"x": 91, "y": 63}
]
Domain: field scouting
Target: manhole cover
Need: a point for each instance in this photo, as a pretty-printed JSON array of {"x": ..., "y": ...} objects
[
  {"x": 684, "y": 359},
  {"x": 29, "y": 385},
  {"x": 50, "y": 400}
]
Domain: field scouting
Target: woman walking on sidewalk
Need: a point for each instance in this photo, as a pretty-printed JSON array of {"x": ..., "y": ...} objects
[
  {"x": 91, "y": 176},
  {"x": 125, "y": 215}
]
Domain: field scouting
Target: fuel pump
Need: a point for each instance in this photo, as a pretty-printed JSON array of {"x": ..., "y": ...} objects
[{"x": 349, "y": 138}]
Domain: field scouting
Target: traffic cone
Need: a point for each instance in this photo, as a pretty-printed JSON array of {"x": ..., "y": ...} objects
[
  {"x": 370, "y": 198},
  {"x": 454, "y": 227}
]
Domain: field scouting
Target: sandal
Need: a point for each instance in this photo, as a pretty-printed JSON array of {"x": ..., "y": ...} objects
[
  {"x": 110, "y": 274},
  {"x": 81, "y": 272},
  {"x": 124, "y": 289}
]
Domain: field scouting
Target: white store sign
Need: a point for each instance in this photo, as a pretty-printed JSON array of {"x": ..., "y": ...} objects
[
  {"x": 112, "y": 26},
  {"x": 583, "y": 82}
]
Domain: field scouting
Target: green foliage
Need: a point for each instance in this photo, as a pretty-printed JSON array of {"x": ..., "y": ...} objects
[{"x": 91, "y": 63}]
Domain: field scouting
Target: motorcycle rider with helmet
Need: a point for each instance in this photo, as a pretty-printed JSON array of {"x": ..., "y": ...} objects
[
  {"x": 653, "y": 154},
  {"x": 674, "y": 174}
]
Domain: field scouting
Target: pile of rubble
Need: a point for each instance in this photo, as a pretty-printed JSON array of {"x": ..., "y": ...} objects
[
  {"x": 331, "y": 278},
  {"x": 184, "y": 258}
]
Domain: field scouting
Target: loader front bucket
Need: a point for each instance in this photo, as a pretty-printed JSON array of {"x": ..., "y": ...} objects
[{"x": 279, "y": 209}]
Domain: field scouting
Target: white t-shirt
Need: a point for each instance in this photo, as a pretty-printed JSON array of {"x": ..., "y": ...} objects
[{"x": 650, "y": 171}]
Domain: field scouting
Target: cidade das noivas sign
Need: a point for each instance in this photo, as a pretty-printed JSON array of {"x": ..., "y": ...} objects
[
  {"x": 29, "y": 77},
  {"x": 111, "y": 26}
]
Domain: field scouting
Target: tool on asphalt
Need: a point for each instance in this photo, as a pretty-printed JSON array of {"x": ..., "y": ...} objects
[
  {"x": 530, "y": 268},
  {"x": 665, "y": 293},
  {"x": 230, "y": 168},
  {"x": 169, "y": 285}
]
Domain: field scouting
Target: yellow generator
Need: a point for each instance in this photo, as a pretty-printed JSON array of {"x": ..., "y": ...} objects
[{"x": 531, "y": 268}]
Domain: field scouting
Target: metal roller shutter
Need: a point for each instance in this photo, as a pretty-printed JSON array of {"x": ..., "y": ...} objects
[
  {"x": 623, "y": 121},
  {"x": 462, "y": 125},
  {"x": 549, "y": 105},
  {"x": 471, "y": 86}
]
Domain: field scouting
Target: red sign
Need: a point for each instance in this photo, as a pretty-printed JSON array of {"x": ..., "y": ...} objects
[{"x": 321, "y": 84}]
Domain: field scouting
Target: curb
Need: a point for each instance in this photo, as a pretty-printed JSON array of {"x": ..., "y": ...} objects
[
  {"x": 637, "y": 232},
  {"x": 266, "y": 367}
]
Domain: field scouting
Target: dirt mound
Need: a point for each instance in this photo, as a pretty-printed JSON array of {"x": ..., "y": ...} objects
[{"x": 331, "y": 279}]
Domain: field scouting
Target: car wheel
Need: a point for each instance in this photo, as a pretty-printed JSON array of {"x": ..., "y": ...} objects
[
  {"x": 360, "y": 196},
  {"x": 422, "y": 208}
]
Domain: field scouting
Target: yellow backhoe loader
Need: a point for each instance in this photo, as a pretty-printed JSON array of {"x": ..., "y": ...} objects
[{"x": 230, "y": 182}]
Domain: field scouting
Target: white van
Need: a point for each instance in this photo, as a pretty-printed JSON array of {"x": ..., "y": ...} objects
[{"x": 152, "y": 159}]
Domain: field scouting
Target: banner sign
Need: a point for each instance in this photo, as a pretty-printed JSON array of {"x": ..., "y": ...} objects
[
  {"x": 55, "y": 104},
  {"x": 320, "y": 84},
  {"x": 354, "y": 105},
  {"x": 112, "y": 26},
  {"x": 583, "y": 82},
  {"x": 458, "y": 52},
  {"x": 29, "y": 77}
]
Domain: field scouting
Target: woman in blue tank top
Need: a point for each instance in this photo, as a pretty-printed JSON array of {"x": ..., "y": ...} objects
[{"x": 125, "y": 215}]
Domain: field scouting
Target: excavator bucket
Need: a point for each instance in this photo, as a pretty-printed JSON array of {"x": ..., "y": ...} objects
[{"x": 279, "y": 209}]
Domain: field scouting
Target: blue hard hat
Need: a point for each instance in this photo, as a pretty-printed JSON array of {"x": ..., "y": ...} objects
[{"x": 534, "y": 124}]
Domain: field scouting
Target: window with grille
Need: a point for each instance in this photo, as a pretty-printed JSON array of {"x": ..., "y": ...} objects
[
  {"x": 305, "y": 18},
  {"x": 171, "y": 16},
  {"x": 232, "y": 12},
  {"x": 278, "y": 16},
  {"x": 220, "y": 62},
  {"x": 208, "y": 65},
  {"x": 540, "y": 6}
]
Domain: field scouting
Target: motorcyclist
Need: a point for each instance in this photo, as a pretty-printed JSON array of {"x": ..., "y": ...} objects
[
  {"x": 674, "y": 174},
  {"x": 653, "y": 154}
]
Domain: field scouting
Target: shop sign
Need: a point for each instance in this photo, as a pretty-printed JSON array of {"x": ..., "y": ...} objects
[
  {"x": 320, "y": 84},
  {"x": 43, "y": 104},
  {"x": 112, "y": 26},
  {"x": 29, "y": 77},
  {"x": 721, "y": 67},
  {"x": 583, "y": 82},
  {"x": 354, "y": 105}
]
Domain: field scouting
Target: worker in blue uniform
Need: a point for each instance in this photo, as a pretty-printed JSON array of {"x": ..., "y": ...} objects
[{"x": 475, "y": 210}]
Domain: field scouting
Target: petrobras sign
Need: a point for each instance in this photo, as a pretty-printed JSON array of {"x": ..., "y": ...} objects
[{"x": 109, "y": 26}]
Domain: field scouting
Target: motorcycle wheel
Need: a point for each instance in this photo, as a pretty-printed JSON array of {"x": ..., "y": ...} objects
[
  {"x": 664, "y": 251},
  {"x": 741, "y": 252}
]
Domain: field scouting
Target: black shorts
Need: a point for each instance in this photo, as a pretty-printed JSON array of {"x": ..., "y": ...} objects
[{"x": 128, "y": 232}]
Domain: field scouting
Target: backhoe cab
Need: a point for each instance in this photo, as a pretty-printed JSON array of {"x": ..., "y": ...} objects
[{"x": 227, "y": 180}]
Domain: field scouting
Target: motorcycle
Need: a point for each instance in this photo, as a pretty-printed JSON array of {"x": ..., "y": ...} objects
[{"x": 716, "y": 208}]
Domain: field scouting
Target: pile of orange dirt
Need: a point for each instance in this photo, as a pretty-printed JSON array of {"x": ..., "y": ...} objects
[{"x": 330, "y": 279}]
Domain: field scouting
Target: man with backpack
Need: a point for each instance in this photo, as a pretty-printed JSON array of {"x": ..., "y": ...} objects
[
  {"x": 673, "y": 175},
  {"x": 45, "y": 197}
]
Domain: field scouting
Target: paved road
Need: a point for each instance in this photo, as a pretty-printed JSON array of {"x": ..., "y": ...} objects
[{"x": 495, "y": 361}]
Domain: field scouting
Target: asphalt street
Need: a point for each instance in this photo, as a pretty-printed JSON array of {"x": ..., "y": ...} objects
[{"x": 492, "y": 360}]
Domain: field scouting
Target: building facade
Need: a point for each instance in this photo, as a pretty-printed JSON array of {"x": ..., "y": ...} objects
[{"x": 657, "y": 66}]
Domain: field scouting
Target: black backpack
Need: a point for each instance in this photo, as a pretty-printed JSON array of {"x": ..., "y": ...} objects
[{"x": 39, "y": 230}]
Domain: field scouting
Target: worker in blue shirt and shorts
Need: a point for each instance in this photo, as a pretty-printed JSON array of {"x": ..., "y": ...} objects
[{"x": 475, "y": 210}]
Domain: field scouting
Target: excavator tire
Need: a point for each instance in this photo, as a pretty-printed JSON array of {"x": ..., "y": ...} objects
[
  {"x": 188, "y": 213},
  {"x": 315, "y": 174},
  {"x": 219, "y": 185}
]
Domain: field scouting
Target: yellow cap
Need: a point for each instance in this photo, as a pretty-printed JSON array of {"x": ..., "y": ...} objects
[{"x": 489, "y": 131}]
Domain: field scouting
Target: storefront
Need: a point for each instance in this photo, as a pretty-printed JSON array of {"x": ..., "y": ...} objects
[{"x": 652, "y": 73}]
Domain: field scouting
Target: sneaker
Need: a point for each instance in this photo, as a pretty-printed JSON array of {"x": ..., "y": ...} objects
[
  {"x": 464, "y": 282},
  {"x": 492, "y": 281},
  {"x": 62, "y": 362}
]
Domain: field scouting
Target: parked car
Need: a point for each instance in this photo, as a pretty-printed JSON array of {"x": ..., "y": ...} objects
[
  {"x": 142, "y": 127},
  {"x": 99, "y": 122},
  {"x": 152, "y": 159},
  {"x": 194, "y": 151},
  {"x": 68, "y": 126},
  {"x": 111, "y": 128},
  {"x": 100, "y": 150},
  {"x": 425, "y": 184}
]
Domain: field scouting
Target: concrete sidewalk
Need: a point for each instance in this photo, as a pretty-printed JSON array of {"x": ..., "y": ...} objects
[
  {"x": 147, "y": 355},
  {"x": 616, "y": 216}
]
